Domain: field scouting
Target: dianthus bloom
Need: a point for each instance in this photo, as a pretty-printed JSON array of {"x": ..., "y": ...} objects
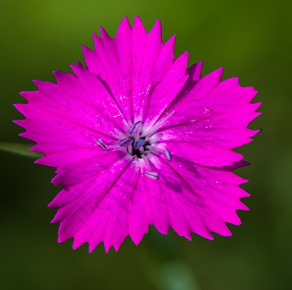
[{"x": 138, "y": 139}]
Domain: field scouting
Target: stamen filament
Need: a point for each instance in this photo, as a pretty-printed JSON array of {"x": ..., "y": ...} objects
[
  {"x": 130, "y": 149},
  {"x": 157, "y": 150},
  {"x": 146, "y": 162},
  {"x": 125, "y": 142},
  {"x": 152, "y": 130}
]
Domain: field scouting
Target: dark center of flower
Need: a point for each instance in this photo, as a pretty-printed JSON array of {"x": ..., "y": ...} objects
[{"x": 140, "y": 147}]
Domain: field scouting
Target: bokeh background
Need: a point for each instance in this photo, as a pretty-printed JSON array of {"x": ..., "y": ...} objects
[{"x": 252, "y": 40}]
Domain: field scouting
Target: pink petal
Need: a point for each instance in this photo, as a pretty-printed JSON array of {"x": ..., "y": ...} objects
[
  {"x": 190, "y": 124},
  {"x": 202, "y": 199},
  {"x": 210, "y": 119}
]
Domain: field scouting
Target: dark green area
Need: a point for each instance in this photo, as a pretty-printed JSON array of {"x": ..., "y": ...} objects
[{"x": 252, "y": 40}]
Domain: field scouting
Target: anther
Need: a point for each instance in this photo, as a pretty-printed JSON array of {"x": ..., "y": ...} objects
[
  {"x": 146, "y": 163},
  {"x": 135, "y": 127},
  {"x": 152, "y": 175},
  {"x": 167, "y": 155},
  {"x": 125, "y": 142},
  {"x": 101, "y": 143}
]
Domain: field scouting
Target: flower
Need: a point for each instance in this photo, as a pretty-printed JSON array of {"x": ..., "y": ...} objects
[{"x": 138, "y": 139}]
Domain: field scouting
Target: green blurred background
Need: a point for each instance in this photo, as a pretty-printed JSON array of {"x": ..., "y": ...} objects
[{"x": 252, "y": 39}]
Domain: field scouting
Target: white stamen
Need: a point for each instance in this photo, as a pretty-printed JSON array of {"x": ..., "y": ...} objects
[
  {"x": 157, "y": 150},
  {"x": 130, "y": 149},
  {"x": 125, "y": 142},
  {"x": 146, "y": 162},
  {"x": 136, "y": 127},
  {"x": 167, "y": 154},
  {"x": 157, "y": 125},
  {"x": 101, "y": 143},
  {"x": 152, "y": 175}
]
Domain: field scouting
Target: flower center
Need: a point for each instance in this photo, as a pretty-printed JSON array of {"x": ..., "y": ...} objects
[
  {"x": 138, "y": 144},
  {"x": 140, "y": 147}
]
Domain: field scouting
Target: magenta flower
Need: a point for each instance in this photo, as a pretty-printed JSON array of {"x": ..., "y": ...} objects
[{"x": 138, "y": 139}]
